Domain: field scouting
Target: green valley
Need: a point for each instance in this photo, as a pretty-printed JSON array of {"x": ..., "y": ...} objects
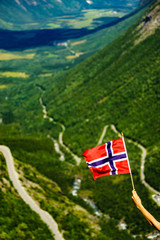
[
  {"x": 65, "y": 93},
  {"x": 119, "y": 86},
  {"x": 39, "y": 14}
]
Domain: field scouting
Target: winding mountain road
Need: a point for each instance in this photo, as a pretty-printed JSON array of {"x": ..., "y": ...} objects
[
  {"x": 102, "y": 135},
  {"x": 45, "y": 216},
  {"x": 76, "y": 158},
  {"x": 156, "y": 196},
  {"x": 56, "y": 145}
]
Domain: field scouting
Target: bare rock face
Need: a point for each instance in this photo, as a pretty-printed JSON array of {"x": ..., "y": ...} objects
[{"x": 149, "y": 23}]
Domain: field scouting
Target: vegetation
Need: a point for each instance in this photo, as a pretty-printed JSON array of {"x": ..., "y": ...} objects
[
  {"x": 136, "y": 88},
  {"x": 152, "y": 166},
  {"x": 119, "y": 86},
  {"x": 17, "y": 220},
  {"x": 75, "y": 221},
  {"x": 54, "y": 14},
  {"x": 51, "y": 198}
]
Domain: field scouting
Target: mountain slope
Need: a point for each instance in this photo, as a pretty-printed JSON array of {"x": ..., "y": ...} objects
[
  {"x": 75, "y": 221},
  {"x": 106, "y": 76},
  {"x": 14, "y": 224},
  {"x": 41, "y": 8},
  {"x": 119, "y": 85},
  {"x": 32, "y": 13}
]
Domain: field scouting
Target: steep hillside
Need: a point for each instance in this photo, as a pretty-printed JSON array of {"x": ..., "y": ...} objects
[
  {"x": 19, "y": 222},
  {"x": 14, "y": 224},
  {"x": 119, "y": 86},
  {"x": 124, "y": 72}
]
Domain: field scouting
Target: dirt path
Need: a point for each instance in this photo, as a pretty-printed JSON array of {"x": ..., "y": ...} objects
[
  {"x": 45, "y": 216},
  {"x": 102, "y": 135},
  {"x": 56, "y": 145},
  {"x": 57, "y": 148},
  {"x": 77, "y": 159}
]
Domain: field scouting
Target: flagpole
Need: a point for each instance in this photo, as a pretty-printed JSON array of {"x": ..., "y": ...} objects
[{"x": 128, "y": 163}]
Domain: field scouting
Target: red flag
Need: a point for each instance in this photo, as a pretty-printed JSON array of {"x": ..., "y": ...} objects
[{"x": 108, "y": 159}]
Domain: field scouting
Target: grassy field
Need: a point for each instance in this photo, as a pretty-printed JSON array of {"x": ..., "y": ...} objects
[
  {"x": 2, "y": 86},
  {"x": 14, "y": 74},
  {"x": 87, "y": 18},
  {"x": 17, "y": 55},
  {"x": 78, "y": 42}
]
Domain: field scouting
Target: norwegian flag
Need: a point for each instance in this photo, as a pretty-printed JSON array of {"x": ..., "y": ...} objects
[{"x": 108, "y": 159}]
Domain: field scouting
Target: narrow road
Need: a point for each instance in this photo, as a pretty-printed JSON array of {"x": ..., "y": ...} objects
[
  {"x": 77, "y": 159},
  {"x": 156, "y": 197},
  {"x": 56, "y": 145},
  {"x": 57, "y": 148},
  {"x": 144, "y": 153},
  {"x": 45, "y": 216},
  {"x": 102, "y": 135}
]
